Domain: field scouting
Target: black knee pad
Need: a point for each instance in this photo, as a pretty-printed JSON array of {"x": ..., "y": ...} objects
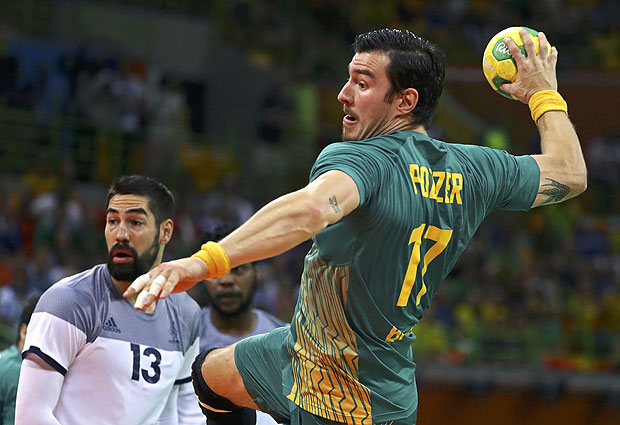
[{"x": 234, "y": 415}]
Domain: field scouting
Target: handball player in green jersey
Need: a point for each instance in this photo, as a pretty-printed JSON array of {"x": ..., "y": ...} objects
[{"x": 389, "y": 211}]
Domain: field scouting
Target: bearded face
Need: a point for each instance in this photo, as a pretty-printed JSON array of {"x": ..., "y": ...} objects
[{"x": 126, "y": 265}]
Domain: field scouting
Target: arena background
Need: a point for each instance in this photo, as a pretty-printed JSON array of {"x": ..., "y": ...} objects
[{"x": 229, "y": 101}]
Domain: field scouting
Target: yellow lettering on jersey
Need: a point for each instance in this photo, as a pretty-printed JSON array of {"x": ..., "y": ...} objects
[
  {"x": 433, "y": 192},
  {"x": 414, "y": 171},
  {"x": 394, "y": 335},
  {"x": 424, "y": 181},
  {"x": 440, "y": 175},
  {"x": 442, "y": 186},
  {"x": 457, "y": 185}
]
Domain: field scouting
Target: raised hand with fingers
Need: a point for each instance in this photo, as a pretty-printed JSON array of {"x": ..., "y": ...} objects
[
  {"x": 168, "y": 277},
  {"x": 536, "y": 72}
]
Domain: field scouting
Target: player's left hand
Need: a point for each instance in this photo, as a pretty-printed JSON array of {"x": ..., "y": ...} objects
[
  {"x": 535, "y": 72},
  {"x": 166, "y": 278}
]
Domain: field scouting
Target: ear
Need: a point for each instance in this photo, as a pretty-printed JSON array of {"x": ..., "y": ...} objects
[
  {"x": 407, "y": 101},
  {"x": 22, "y": 332},
  {"x": 165, "y": 231}
]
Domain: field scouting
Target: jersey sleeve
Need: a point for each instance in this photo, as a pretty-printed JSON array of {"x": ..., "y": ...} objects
[
  {"x": 505, "y": 181},
  {"x": 58, "y": 328},
  {"x": 360, "y": 162},
  {"x": 191, "y": 318}
]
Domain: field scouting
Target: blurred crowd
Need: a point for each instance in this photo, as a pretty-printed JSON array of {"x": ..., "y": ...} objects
[
  {"x": 537, "y": 289},
  {"x": 313, "y": 34}
]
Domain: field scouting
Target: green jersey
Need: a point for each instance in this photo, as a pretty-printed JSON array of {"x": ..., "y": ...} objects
[
  {"x": 368, "y": 278},
  {"x": 10, "y": 364}
]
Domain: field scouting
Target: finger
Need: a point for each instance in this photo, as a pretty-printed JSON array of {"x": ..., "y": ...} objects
[
  {"x": 514, "y": 90},
  {"x": 172, "y": 281},
  {"x": 140, "y": 300},
  {"x": 528, "y": 43},
  {"x": 543, "y": 48},
  {"x": 508, "y": 88},
  {"x": 153, "y": 293},
  {"x": 137, "y": 285},
  {"x": 157, "y": 284},
  {"x": 514, "y": 51},
  {"x": 553, "y": 58}
]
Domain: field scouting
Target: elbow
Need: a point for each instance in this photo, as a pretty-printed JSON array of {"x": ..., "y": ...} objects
[
  {"x": 311, "y": 219},
  {"x": 582, "y": 186},
  {"x": 579, "y": 183},
  {"x": 582, "y": 181}
]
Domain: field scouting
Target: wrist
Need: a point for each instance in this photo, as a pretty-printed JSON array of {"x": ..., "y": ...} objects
[
  {"x": 215, "y": 259},
  {"x": 202, "y": 270},
  {"x": 544, "y": 101}
]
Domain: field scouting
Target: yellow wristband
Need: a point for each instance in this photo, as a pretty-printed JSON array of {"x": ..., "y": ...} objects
[
  {"x": 215, "y": 258},
  {"x": 545, "y": 101}
]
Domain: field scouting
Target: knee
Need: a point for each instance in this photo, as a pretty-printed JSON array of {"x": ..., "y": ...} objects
[
  {"x": 216, "y": 408},
  {"x": 205, "y": 394}
]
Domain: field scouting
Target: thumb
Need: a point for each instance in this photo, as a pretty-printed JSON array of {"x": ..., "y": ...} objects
[{"x": 513, "y": 90}]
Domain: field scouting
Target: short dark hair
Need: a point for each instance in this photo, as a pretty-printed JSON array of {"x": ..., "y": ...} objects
[
  {"x": 160, "y": 199},
  {"x": 414, "y": 62},
  {"x": 27, "y": 310}
]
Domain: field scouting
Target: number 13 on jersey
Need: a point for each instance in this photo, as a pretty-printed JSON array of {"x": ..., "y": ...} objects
[{"x": 441, "y": 237}]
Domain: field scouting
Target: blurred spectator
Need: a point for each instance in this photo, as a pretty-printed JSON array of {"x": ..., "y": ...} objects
[{"x": 10, "y": 365}]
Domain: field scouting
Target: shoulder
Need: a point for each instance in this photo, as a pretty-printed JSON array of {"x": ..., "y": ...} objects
[
  {"x": 185, "y": 303},
  {"x": 186, "y": 309},
  {"x": 269, "y": 319},
  {"x": 77, "y": 299},
  {"x": 8, "y": 354},
  {"x": 83, "y": 288}
]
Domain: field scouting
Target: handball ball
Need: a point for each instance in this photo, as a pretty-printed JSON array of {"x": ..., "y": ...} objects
[{"x": 498, "y": 65}]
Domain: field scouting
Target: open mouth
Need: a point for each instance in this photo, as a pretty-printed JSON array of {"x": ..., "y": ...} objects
[
  {"x": 122, "y": 256},
  {"x": 349, "y": 119}
]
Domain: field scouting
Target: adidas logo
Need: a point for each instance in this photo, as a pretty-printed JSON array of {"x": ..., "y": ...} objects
[{"x": 110, "y": 326}]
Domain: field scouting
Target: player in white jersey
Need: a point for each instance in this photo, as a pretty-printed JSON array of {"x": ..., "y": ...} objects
[{"x": 89, "y": 356}]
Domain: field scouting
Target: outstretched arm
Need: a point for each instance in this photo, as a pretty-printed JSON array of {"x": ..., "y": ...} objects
[
  {"x": 563, "y": 173},
  {"x": 277, "y": 227}
]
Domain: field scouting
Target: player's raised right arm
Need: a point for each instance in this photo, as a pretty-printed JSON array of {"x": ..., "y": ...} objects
[{"x": 563, "y": 173}]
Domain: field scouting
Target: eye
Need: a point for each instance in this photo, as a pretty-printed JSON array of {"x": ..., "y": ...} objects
[
  {"x": 362, "y": 85},
  {"x": 137, "y": 223},
  {"x": 111, "y": 220}
]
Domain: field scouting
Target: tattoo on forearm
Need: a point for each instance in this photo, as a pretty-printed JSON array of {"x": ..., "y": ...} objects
[
  {"x": 555, "y": 191},
  {"x": 334, "y": 203}
]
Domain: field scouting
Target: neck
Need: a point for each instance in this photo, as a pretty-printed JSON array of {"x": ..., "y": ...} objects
[
  {"x": 404, "y": 124},
  {"x": 237, "y": 326},
  {"x": 122, "y": 287}
]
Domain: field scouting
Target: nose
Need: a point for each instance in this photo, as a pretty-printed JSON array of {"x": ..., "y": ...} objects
[
  {"x": 122, "y": 235},
  {"x": 344, "y": 96}
]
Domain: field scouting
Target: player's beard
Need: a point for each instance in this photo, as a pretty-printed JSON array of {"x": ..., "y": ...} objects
[
  {"x": 128, "y": 272},
  {"x": 245, "y": 305}
]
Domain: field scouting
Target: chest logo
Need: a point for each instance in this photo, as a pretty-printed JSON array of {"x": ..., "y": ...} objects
[{"x": 110, "y": 326}]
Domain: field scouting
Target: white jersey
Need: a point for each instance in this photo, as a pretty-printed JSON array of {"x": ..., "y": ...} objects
[
  {"x": 120, "y": 365},
  {"x": 211, "y": 337}
]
